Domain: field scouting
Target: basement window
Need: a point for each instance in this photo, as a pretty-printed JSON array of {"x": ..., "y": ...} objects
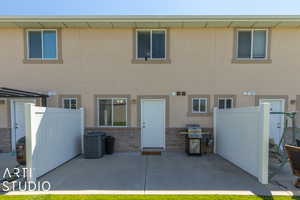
[
  {"x": 112, "y": 112},
  {"x": 42, "y": 44}
]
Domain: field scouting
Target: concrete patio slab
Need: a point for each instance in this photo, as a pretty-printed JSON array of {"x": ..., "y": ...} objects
[
  {"x": 7, "y": 160},
  {"x": 171, "y": 173},
  {"x": 116, "y": 172},
  {"x": 209, "y": 173}
]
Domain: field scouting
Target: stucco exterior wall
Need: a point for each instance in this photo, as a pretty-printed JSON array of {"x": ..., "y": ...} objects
[{"x": 99, "y": 61}]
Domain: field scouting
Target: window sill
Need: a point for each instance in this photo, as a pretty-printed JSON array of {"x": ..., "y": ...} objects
[
  {"x": 253, "y": 61},
  {"x": 190, "y": 114},
  {"x": 27, "y": 61},
  {"x": 137, "y": 61},
  {"x": 113, "y": 127}
]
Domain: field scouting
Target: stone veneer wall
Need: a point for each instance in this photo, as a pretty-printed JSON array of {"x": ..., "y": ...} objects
[
  {"x": 5, "y": 140},
  {"x": 129, "y": 139}
]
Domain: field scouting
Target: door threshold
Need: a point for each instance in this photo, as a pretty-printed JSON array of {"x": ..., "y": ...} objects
[
  {"x": 152, "y": 150},
  {"x": 147, "y": 153}
]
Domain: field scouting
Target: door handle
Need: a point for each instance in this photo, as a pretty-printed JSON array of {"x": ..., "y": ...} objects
[
  {"x": 16, "y": 126},
  {"x": 278, "y": 125},
  {"x": 143, "y": 125}
]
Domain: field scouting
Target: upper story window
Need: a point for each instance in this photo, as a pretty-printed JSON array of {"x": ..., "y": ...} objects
[
  {"x": 42, "y": 44},
  {"x": 199, "y": 105},
  {"x": 151, "y": 44},
  {"x": 70, "y": 103},
  {"x": 252, "y": 44},
  {"x": 112, "y": 112}
]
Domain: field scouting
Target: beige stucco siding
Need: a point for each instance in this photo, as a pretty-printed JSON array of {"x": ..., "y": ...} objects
[{"x": 98, "y": 61}]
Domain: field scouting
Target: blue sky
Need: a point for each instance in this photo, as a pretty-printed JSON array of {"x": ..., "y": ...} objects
[{"x": 150, "y": 7}]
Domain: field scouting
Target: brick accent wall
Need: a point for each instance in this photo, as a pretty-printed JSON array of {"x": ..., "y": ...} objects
[
  {"x": 127, "y": 139},
  {"x": 5, "y": 140},
  {"x": 175, "y": 142}
]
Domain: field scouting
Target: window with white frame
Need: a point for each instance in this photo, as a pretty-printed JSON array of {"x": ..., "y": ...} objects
[
  {"x": 252, "y": 44},
  {"x": 70, "y": 103},
  {"x": 199, "y": 105},
  {"x": 42, "y": 44},
  {"x": 112, "y": 112},
  {"x": 225, "y": 103},
  {"x": 151, "y": 44}
]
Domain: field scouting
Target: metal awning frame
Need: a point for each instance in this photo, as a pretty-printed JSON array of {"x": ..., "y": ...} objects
[{"x": 14, "y": 93}]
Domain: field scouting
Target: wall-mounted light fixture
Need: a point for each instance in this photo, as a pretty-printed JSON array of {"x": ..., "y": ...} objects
[
  {"x": 293, "y": 101},
  {"x": 51, "y": 93},
  {"x": 249, "y": 93}
]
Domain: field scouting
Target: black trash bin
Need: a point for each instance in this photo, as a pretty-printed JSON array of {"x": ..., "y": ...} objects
[
  {"x": 94, "y": 145},
  {"x": 109, "y": 144}
]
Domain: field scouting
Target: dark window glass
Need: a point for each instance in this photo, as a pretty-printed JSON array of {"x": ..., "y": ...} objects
[
  {"x": 244, "y": 44},
  {"x": 35, "y": 44},
  {"x": 158, "y": 44},
  {"x": 259, "y": 44},
  {"x": 221, "y": 103},
  {"x": 195, "y": 105},
  {"x": 143, "y": 44},
  {"x": 73, "y": 104},
  {"x": 66, "y": 103},
  {"x": 202, "y": 105},
  {"x": 49, "y": 44},
  {"x": 105, "y": 112},
  {"x": 119, "y": 109},
  {"x": 229, "y": 103}
]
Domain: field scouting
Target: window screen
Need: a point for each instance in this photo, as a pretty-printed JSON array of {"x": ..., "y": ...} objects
[
  {"x": 143, "y": 44},
  {"x": 105, "y": 112},
  {"x": 259, "y": 44},
  {"x": 158, "y": 44},
  {"x": 35, "y": 44},
  {"x": 244, "y": 44},
  {"x": 49, "y": 44}
]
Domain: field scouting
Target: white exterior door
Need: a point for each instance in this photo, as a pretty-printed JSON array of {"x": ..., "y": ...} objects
[
  {"x": 18, "y": 119},
  {"x": 153, "y": 123},
  {"x": 276, "y": 120}
]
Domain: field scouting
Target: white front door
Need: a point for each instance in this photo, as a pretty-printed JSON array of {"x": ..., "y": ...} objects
[
  {"x": 153, "y": 123},
  {"x": 276, "y": 120},
  {"x": 18, "y": 119}
]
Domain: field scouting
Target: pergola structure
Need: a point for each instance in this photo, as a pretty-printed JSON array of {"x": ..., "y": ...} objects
[{"x": 13, "y": 93}]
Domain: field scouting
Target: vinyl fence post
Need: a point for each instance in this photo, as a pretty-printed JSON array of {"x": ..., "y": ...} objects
[
  {"x": 30, "y": 141},
  {"x": 263, "y": 152},
  {"x": 82, "y": 129},
  {"x": 215, "y": 128}
]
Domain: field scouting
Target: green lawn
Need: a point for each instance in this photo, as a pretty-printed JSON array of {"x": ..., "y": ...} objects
[{"x": 141, "y": 197}]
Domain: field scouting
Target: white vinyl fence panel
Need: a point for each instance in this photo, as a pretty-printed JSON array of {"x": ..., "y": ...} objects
[
  {"x": 53, "y": 136},
  {"x": 242, "y": 137}
]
